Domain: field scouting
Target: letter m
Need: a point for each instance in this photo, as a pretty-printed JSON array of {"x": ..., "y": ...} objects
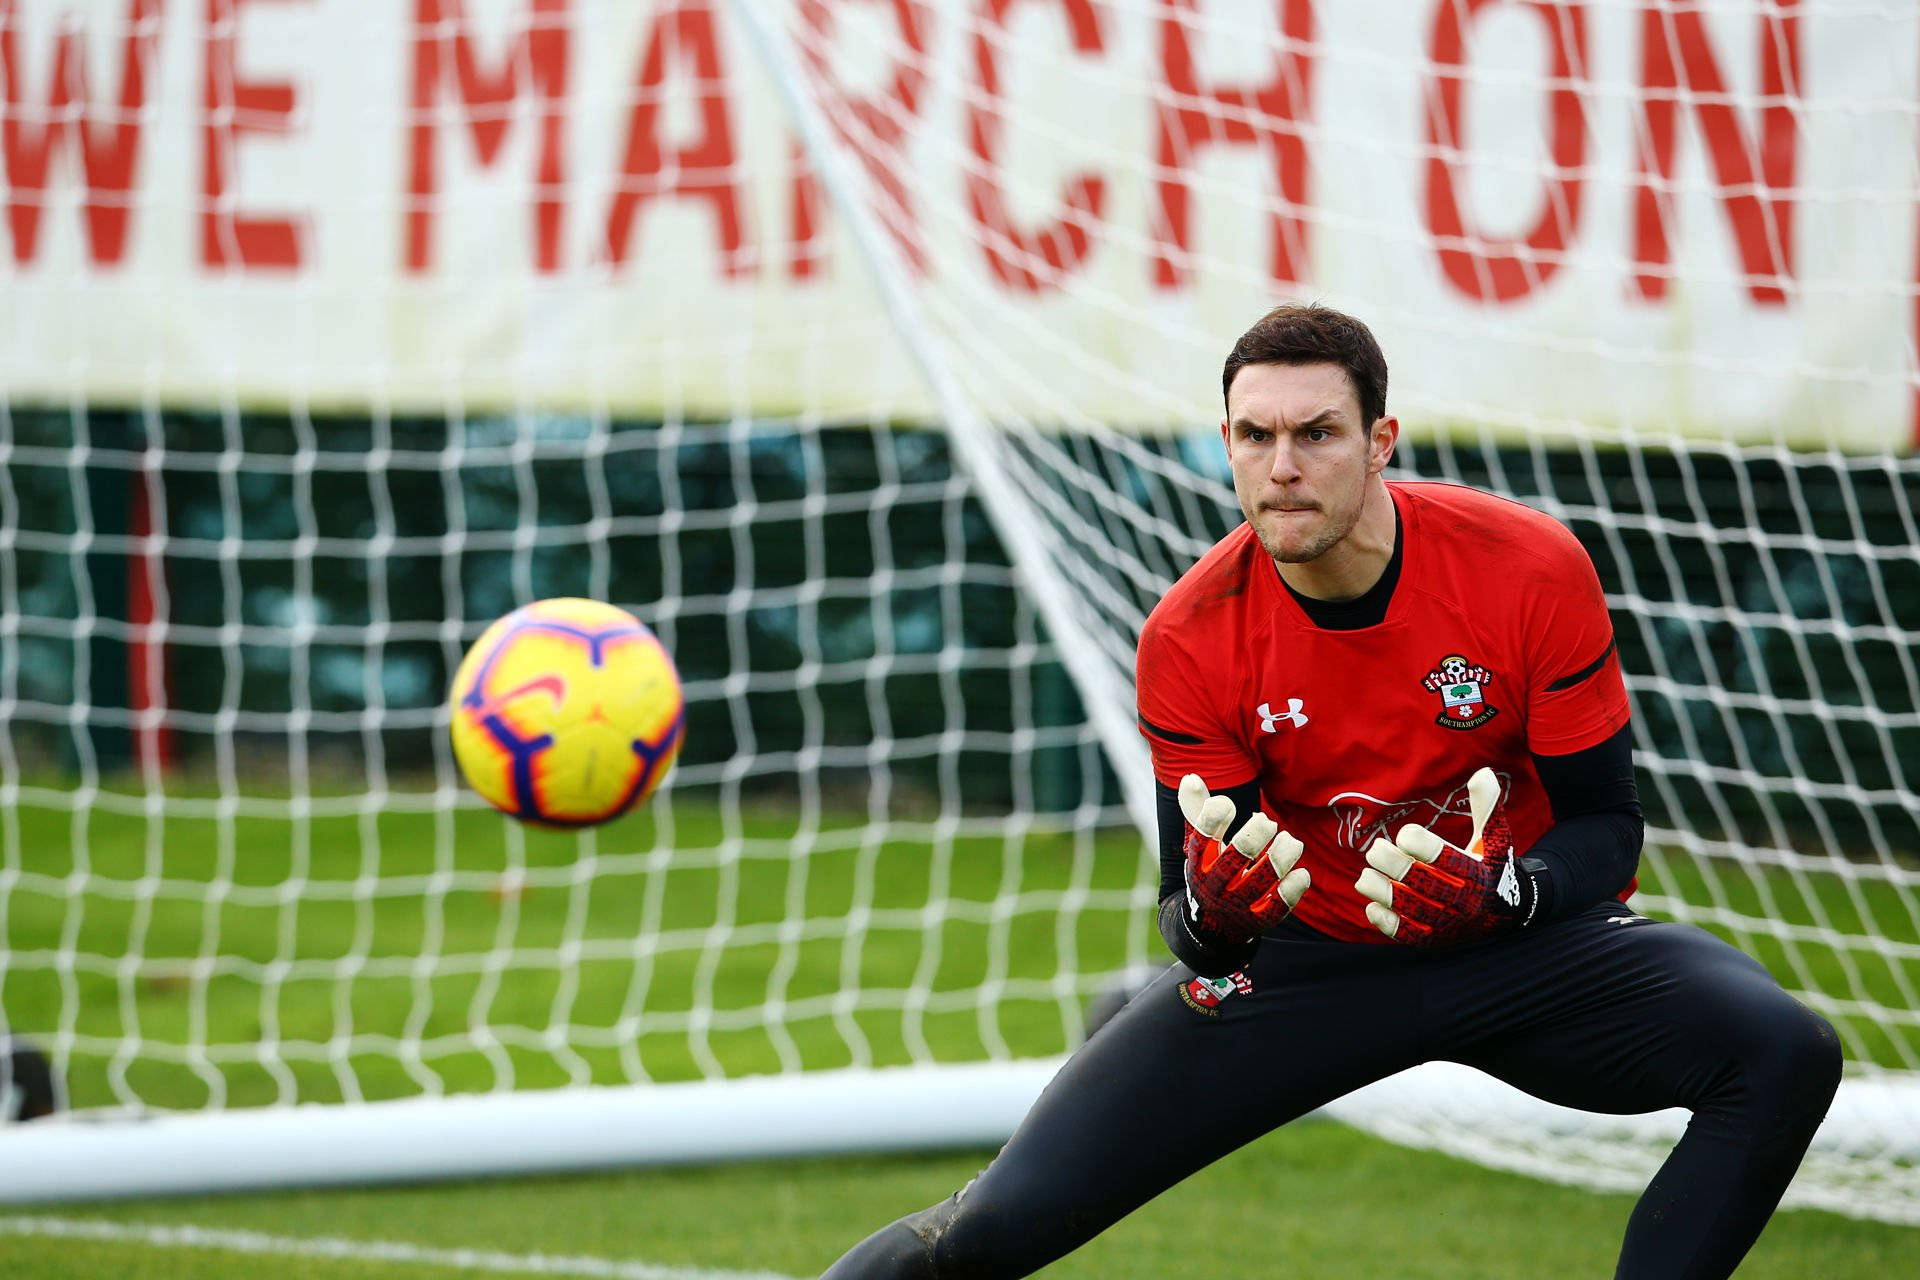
[
  {"x": 107, "y": 137},
  {"x": 443, "y": 58}
]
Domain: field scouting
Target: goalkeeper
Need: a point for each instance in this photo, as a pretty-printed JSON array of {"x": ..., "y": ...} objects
[{"x": 1398, "y": 822}]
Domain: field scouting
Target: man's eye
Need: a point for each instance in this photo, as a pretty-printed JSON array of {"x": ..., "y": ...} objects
[{"x": 1317, "y": 434}]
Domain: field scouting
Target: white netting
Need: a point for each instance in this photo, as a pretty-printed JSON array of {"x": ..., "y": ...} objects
[{"x": 870, "y": 352}]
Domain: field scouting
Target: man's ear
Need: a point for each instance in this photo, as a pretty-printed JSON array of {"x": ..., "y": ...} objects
[{"x": 1380, "y": 443}]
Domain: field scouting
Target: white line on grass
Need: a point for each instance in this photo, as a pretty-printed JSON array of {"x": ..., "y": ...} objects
[{"x": 192, "y": 1237}]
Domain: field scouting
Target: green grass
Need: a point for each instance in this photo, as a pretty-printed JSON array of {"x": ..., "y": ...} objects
[
  {"x": 1315, "y": 1199},
  {"x": 191, "y": 887},
  {"x": 616, "y": 937}
]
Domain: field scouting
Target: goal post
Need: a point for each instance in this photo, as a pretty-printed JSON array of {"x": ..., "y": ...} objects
[{"x": 868, "y": 350}]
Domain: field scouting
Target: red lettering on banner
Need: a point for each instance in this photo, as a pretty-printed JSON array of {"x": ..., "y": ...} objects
[
  {"x": 234, "y": 107},
  {"x": 1038, "y": 259},
  {"x": 1753, "y": 172},
  {"x": 1502, "y": 270},
  {"x": 1265, "y": 115},
  {"x": 805, "y": 256},
  {"x": 108, "y": 138},
  {"x": 876, "y": 130},
  {"x": 702, "y": 170},
  {"x": 442, "y": 52}
]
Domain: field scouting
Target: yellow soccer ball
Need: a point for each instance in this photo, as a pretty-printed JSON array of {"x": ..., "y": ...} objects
[{"x": 567, "y": 713}]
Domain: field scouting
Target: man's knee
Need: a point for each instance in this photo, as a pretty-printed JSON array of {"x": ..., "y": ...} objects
[
  {"x": 967, "y": 1236},
  {"x": 908, "y": 1249},
  {"x": 996, "y": 1228},
  {"x": 1788, "y": 1070}
]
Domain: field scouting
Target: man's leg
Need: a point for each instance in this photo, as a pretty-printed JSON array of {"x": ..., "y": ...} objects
[
  {"x": 1638, "y": 1016},
  {"x": 1180, "y": 1077}
]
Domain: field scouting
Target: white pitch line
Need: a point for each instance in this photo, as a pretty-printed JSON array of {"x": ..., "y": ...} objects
[{"x": 192, "y": 1237}]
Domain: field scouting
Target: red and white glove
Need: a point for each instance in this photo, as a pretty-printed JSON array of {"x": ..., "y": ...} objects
[
  {"x": 1238, "y": 889},
  {"x": 1426, "y": 892}
]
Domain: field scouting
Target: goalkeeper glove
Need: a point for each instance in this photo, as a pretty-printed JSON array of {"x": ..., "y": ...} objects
[
  {"x": 1238, "y": 889},
  {"x": 1427, "y": 893}
]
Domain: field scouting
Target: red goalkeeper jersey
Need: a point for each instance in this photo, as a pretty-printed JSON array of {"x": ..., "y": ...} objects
[{"x": 1496, "y": 646}]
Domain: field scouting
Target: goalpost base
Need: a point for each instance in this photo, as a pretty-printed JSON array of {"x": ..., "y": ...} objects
[
  {"x": 527, "y": 1132},
  {"x": 1443, "y": 1106}
]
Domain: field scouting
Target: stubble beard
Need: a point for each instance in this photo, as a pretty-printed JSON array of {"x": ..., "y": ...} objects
[{"x": 1286, "y": 551}]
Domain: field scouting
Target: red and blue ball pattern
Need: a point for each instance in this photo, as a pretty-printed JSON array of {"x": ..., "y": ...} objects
[{"x": 567, "y": 712}]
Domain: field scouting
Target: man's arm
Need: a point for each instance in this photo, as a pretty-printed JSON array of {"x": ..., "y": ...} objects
[
  {"x": 1576, "y": 693},
  {"x": 1593, "y": 847}
]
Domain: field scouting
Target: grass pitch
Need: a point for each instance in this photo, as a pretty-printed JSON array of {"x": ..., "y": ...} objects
[{"x": 1315, "y": 1199}]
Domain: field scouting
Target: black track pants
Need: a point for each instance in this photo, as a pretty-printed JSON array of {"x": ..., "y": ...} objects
[{"x": 1608, "y": 1011}]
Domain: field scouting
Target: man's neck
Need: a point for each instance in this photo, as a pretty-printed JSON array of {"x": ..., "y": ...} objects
[{"x": 1349, "y": 569}]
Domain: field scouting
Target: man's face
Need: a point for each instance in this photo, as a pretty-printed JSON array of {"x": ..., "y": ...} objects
[{"x": 1300, "y": 455}]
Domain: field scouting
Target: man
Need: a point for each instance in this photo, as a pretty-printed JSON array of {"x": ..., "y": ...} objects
[{"x": 1408, "y": 698}]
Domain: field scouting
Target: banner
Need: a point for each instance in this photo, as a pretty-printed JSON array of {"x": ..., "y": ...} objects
[{"x": 1667, "y": 218}]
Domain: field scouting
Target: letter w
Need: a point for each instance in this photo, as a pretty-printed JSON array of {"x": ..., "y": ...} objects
[{"x": 108, "y": 138}]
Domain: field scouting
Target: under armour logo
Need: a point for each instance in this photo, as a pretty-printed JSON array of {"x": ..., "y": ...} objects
[{"x": 1270, "y": 719}]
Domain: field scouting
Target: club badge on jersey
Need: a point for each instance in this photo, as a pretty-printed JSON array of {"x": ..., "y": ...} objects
[
  {"x": 1461, "y": 684},
  {"x": 1203, "y": 995}
]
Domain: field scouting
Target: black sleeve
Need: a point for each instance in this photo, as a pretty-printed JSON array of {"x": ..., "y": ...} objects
[
  {"x": 1593, "y": 847},
  {"x": 1208, "y": 957}
]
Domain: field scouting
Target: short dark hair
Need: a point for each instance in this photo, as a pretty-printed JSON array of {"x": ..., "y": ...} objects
[{"x": 1313, "y": 334}]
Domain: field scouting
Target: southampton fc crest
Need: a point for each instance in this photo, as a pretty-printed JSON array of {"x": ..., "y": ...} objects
[
  {"x": 1462, "y": 687},
  {"x": 1203, "y": 995}
]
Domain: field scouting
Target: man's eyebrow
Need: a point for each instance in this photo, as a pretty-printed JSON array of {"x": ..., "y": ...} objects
[{"x": 1331, "y": 412}]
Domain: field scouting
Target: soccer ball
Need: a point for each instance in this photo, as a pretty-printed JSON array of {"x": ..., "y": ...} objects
[{"x": 566, "y": 713}]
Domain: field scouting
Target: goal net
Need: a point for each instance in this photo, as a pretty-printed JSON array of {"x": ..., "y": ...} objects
[{"x": 869, "y": 351}]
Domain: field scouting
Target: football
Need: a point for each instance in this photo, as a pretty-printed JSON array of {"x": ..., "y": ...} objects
[{"x": 567, "y": 713}]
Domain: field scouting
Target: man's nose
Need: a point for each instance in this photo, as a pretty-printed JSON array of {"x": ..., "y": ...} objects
[{"x": 1285, "y": 468}]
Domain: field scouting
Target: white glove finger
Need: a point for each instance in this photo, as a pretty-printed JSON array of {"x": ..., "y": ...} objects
[
  {"x": 1483, "y": 795},
  {"x": 1216, "y": 815},
  {"x": 1283, "y": 853},
  {"x": 1193, "y": 797},
  {"x": 1293, "y": 884},
  {"x": 1382, "y": 919},
  {"x": 1420, "y": 843},
  {"x": 1208, "y": 814},
  {"x": 1388, "y": 860},
  {"x": 1254, "y": 834},
  {"x": 1375, "y": 887}
]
